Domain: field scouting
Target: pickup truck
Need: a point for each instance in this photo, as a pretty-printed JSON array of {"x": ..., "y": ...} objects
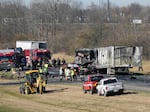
[
  {"x": 90, "y": 82},
  {"x": 109, "y": 85}
]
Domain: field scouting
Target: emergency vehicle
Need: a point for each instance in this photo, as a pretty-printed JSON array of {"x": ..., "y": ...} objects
[
  {"x": 11, "y": 58},
  {"x": 36, "y": 55},
  {"x": 34, "y": 51}
]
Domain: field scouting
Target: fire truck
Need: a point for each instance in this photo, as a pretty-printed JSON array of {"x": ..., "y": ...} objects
[
  {"x": 12, "y": 58},
  {"x": 36, "y": 55},
  {"x": 34, "y": 50}
]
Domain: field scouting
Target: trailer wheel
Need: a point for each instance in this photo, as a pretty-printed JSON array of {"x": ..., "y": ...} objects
[{"x": 105, "y": 93}]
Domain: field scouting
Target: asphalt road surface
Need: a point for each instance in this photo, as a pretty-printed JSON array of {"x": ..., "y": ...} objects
[{"x": 141, "y": 83}]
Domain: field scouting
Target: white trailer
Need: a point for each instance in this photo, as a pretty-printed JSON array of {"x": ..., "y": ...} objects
[
  {"x": 31, "y": 44},
  {"x": 117, "y": 58}
]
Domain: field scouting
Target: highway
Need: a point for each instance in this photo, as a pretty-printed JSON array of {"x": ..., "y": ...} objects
[{"x": 139, "y": 83}]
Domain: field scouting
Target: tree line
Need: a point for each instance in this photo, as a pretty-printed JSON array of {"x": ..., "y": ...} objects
[{"x": 66, "y": 25}]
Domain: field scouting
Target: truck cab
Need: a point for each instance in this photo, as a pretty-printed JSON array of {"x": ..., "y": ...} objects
[
  {"x": 36, "y": 54},
  {"x": 10, "y": 58}
]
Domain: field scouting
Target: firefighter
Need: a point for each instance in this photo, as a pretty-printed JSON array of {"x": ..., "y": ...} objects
[
  {"x": 75, "y": 74},
  {"x": 61, "y": 73},
  {"x": 58, "y": 62},
  {"x": 72, "y": 74},
  {"x": 45, "y": 68},
  {"x": 39, "y": 63},
  {"x": 54, "y": 62},
  {"x": 45, "y": 71},
  {"x": 68, "y": 74},
  {"x": 63, "y": 61},
  {"x": 34, "y": 64}
]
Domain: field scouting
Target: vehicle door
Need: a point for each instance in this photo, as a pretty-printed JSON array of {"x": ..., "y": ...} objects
[{"x": 86, "y": 83}]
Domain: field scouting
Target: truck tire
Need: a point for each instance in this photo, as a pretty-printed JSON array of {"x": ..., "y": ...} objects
[
  {"x": 27, "y": 90},
  {"x": 85, "y": 91},
  {"x": 91, "y": 91},
  {"x": 43, "y": 89},
  {"x": 22, "y": 89},
  {"x": 121, "y": 91},
  {"x": 98, "y": 93},
  {"x": 105, "y": 93}
]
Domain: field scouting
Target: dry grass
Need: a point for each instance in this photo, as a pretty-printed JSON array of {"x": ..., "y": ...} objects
[
  {"x": 69, "y": 59},
  {"x": 70, "y": 98},
  {"x": 146, "y": 67}
]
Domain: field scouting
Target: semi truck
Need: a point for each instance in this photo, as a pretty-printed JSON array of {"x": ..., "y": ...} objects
[
  {"x": 112, "y": 59},
  {"x": 34, "y": 50}
]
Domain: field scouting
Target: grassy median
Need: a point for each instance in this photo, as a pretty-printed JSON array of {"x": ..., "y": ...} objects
[{"x": 70, "y": 98}]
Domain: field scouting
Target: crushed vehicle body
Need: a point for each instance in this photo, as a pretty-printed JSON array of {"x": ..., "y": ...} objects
[
  {"x": 84, "y": 56},
  {"x": 113, "y": 59}
]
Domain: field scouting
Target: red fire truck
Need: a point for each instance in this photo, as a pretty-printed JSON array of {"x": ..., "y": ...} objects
[
  {"x": 34, "y": 51},
  {"x": 36, "y": 54},
  {"x": 11, "y": 58}
]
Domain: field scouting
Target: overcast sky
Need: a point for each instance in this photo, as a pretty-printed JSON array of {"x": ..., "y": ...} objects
[
  {"x": 117, "y": 2},
  {"x": 86, "y": 3}
]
